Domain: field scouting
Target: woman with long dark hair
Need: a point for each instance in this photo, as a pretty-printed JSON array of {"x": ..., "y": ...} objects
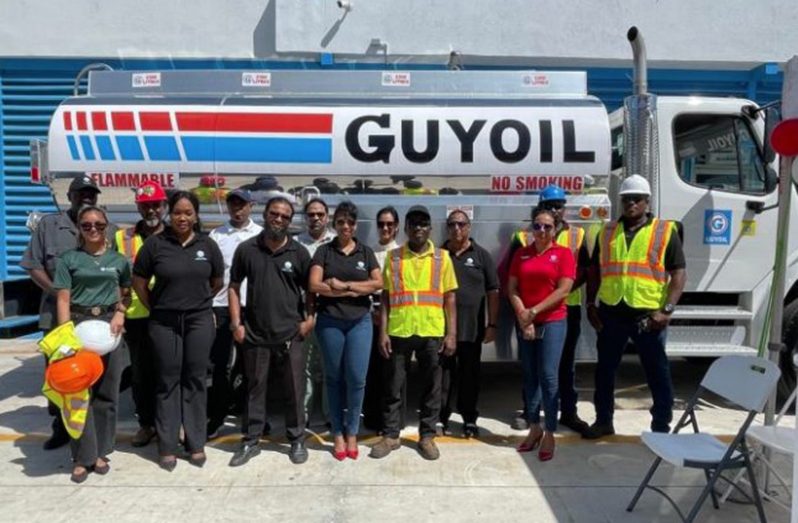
[
  {"x": 93, "y": 283},
  {"x": 345, "y": 273},
  {"x": 188, "y": 268}
]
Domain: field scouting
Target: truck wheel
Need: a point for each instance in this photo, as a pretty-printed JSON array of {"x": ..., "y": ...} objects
[{"x": 787, "y": 383}]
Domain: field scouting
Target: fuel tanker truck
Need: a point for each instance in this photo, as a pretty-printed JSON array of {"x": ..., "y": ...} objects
[{"x": 486, "y": 142}]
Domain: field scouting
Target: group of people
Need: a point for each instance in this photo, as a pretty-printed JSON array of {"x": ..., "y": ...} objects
[{"x": 340, "y": 321}]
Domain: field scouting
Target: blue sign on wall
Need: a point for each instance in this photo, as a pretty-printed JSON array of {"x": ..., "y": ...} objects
[{"x": 717, "y": 226}]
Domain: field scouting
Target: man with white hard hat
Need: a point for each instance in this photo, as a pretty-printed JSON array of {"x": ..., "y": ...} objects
[{"x": 637, "y": 272}]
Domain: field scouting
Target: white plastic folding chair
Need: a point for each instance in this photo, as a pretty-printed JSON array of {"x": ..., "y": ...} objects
[
  {"x": 778, "y": 439},
  {"x": 744, "y": 381}
]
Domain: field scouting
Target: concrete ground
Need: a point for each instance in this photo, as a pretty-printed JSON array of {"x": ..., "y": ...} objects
[{"x": 484, "y": 479}]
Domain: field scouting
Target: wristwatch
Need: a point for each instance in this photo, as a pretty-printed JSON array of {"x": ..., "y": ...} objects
[{"x": 669, "y": 308}]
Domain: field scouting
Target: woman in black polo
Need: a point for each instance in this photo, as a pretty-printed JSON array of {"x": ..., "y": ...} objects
[
  {"x": 93, "y": 282},
  {"x": 188, "y": 269},
  {"x": 344, "y": 273}
]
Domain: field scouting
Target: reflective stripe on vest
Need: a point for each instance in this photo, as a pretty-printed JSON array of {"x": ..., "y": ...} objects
[
  {"x": 432, "y": 296},
  {"x": 128, "y": 243},
  {"x": 635, "y": 274},
  {"x": 572, "y": 238}
]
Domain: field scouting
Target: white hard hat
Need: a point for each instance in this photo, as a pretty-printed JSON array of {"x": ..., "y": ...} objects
[
  {"x": 95, "y": 335},
  {"x": 635, "y": 184}
]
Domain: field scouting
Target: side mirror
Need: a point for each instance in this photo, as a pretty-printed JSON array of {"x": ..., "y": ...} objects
[
  {"x": 771, "y": 178},
  {"x": 772, "y": 119}
]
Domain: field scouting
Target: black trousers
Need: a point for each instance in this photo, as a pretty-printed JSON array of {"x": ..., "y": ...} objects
[
  {"x": 460, "y": 382},
  {"x": 566, "y": 372},
  {"x": 290, "y": 358},
  {"x": 220, "y": 393},
  {"x": 372, "y": 399},
  {"x": 182, "y": 341},
  {"x": 402, "y": 349},
  {"x": 142, "y": 366},
  {"x": 99, "y": 432}
]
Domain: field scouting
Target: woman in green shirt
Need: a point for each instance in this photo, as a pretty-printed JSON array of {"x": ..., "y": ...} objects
[{"x": 93, "y": 282}]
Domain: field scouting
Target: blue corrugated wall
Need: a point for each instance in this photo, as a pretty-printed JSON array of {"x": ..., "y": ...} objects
[{"x": 30, "y": 90}]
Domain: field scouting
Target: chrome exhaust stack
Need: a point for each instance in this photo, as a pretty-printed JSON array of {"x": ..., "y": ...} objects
[{"x": 641, "y": 154}]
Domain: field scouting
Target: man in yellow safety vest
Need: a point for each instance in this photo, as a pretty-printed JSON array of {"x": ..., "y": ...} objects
[
  {"x": 418, "y": 315},
  {"x": 151, "y": 204},
  {"x": 637, "y": 271}
]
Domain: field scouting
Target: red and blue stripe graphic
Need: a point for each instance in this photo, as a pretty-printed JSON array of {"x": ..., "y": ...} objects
[{"x": 199, "y": 136}]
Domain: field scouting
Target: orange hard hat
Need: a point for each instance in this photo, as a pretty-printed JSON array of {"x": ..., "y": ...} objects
[
  {"x": 74, "y": 373},
  {"x": 150, "y": 192}
]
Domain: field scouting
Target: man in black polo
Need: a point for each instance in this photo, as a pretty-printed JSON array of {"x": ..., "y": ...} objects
[
  {"x": 274, "y": 324},
  {"x": 477, "y": 280},
  {"x": 56, "y": 234}
]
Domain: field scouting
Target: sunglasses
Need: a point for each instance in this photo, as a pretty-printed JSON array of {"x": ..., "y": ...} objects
[
  {"x": 340, "y": 222},
  {"x": 419, "y": 225},
  {"x": 553, "y": 206},
  {"x": 87, "y": 226},
  {"x": 542, "y": 227},
  {"x": 275, "y": 215},
  {"x": 457, "y": 225},
  {"x": 316, "y": 215},
  {"x": 386, "y": 225},
  {"x": 632, "y": 198}
]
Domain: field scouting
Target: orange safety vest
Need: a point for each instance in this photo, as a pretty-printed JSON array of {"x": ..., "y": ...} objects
[{"x": 417, "y": 310}]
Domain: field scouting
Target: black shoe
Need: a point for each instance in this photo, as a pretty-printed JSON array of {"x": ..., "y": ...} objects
[
  {"x": 198, "y": 459},
  {"x": 58, "y": 439},
  {"x": 519, "y": 423},
  {"x": 298, "y": 453},
  {"x": 575, "y": 423},
  {"x": 168, "y": 463},
  {"x": 244, "y": 454},
  {"x": 470, "y": 430},
  {"x": 212, "y": 430},
  {"x": 79, "y": 477},
  {"x": 598, "y": 430},
  {"x": 267, "y": 428}
]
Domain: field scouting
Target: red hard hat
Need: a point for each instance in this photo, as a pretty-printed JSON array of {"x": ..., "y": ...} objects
[
  {"x": 74, "y": 373},
  {"x": 150, "y": 192}
]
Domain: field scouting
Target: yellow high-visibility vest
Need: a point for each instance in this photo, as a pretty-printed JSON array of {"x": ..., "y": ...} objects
[
  {"x": 128, "y": 244},
  {"x": 572, "y": 238},
  {"x": 416, "y": 284},
  {"x": 635, "y": 274}
]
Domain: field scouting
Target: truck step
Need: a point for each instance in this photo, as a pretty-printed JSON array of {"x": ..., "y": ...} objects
[
  {"x": 715, "y": 312},
  {"x": 704, "y": 350}
]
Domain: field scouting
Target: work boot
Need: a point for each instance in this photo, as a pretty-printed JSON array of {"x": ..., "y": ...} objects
[
  {"x": 575, "y": 423},
  {"x": 59, "y": 438},
  {"x": 384, "y": 447},
  {"x": 298, "y": 453},
  {"x": 244, "y": 454},
  {"x": 143, "y": 437},
  {"x": 598, "y": 430},
  {"x": 428, "y": 449}
]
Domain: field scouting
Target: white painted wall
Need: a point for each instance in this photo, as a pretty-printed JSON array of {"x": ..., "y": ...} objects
[{"x": 681, "y": 33}]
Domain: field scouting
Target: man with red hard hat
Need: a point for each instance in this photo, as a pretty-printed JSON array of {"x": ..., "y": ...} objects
[{"x": 150, "y": 200}]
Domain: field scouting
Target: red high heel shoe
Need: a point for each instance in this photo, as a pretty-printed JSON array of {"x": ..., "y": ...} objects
[
  {"x": 546, "y": 455},
  {"x": 529, "y": 446},
  {"x": 352, "y": 453},
  {"x": 340, "y": 455}
]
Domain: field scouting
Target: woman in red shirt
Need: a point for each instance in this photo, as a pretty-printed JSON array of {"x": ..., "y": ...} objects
[{"x": 541, "y": 276}]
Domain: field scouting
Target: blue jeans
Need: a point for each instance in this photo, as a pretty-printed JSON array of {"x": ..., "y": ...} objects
[
  {"x": 346, "y": 348},
  {"x": 540, "y": 361},
  {"x": 616, "y": 332}
]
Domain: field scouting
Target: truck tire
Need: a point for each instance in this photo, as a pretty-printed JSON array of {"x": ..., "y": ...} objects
[{"x": 788, "y": 359}]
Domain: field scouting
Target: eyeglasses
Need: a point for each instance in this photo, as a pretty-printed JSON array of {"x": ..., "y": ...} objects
[
  {"x": 542, "y": 227},
  {"x": 340, "y": 222},
  {"x": 386, "y": 225},
  {"x": 316, "y": 214},
  {"x": 275, "y": 215},
  {"x": 87, "y": 226},
  {"x": 458, "y": 225},
  {"x": 553, "y": 206},
  {"x": 419, "y": 225},
  {"x": 632, "y": 198}
]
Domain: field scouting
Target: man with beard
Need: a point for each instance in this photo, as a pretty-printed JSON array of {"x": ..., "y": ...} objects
[
  {"x": 273, "y": 326},
  {"x": 151, "y": 204},
  {"x": 418, "y": 316},
  {"x": 228, "y": 236},
  {"x": 54, "y": 235},
  {"x": 317, "y": 217}
]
